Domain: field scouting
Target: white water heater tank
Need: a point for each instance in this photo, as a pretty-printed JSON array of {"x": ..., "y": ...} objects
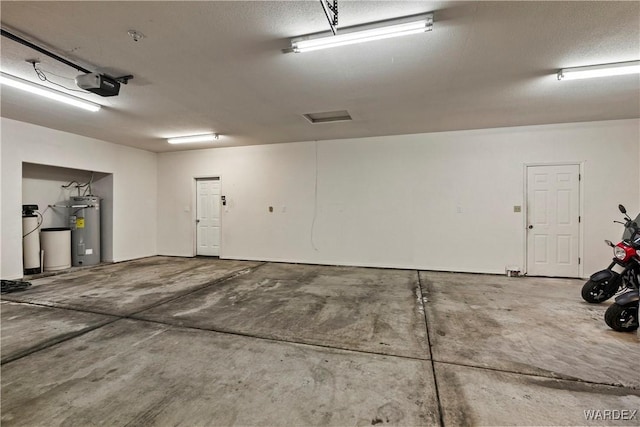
[{"x": 84, "y": 222}]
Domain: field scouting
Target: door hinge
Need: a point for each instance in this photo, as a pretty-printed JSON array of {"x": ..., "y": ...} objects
[
  {"x": 579, "y": 218},
  {"x": 579, "y": 260},
  {"x": 579, "y": 177}
]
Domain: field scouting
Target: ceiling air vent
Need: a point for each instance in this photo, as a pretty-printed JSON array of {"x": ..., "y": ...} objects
[{"x": 328, "y": 116}]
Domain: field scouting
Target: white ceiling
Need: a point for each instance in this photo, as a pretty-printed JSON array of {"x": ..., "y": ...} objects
[{"x": 219, "y": 66}]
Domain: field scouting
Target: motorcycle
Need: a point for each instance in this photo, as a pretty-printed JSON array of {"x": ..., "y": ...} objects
[
  {"x": 624, "y": 270},
  {"x": 622, "y": 315}
]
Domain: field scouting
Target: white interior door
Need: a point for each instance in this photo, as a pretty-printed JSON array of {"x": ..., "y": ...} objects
[
  {"x": 553, "y": 217},
  {"x": 208, "y": 217}
]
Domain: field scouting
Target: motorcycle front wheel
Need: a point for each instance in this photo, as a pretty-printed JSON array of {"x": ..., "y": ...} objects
[
  {"x": 596, "y": 292},
  {"x": 622, "y": 318}
]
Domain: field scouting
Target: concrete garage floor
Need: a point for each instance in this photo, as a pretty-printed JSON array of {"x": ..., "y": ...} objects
[{"x": 194, "y": 342}]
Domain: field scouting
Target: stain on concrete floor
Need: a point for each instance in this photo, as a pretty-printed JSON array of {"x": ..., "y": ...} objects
[
  {"x": 526, "y": 330},
  {"x": 345, "y": 307},
  {"x": 140, "y": 373},
  {"x": 127, "y": 287},
  {"x": 27, "y": 327},
  {"x": 472, "y": 396},
  {"x": 307, "y": 345}
]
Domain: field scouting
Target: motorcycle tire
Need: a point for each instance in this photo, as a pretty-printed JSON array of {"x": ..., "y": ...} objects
[
  {"x": 597, "y": 292},
  {"x": 622, "y": 318}
]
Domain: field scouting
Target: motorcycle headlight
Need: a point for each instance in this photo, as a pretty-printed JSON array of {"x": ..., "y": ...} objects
[{"x": 619, "y": 253}]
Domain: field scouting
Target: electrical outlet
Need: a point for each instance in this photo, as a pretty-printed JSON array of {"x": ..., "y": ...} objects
[{"x": 517, "y": 208}]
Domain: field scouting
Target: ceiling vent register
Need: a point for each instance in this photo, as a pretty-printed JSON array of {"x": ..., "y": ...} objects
[{"x": 328, "y": 117}]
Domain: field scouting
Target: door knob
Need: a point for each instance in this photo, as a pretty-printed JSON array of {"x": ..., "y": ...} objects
[
  {"x": 530, "y": 227},
  {"x": 197, "y": 221}
]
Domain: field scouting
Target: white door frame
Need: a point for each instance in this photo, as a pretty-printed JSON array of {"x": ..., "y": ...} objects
[
  {"x": 194, "y": 212},
  {"x": 525, "y": 211}
]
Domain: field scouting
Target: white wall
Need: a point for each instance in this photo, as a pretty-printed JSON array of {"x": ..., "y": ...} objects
[
  {"x": 134, "y": 186},
  {"x": 385, "y": 201},
  {"x": 394, "y": 201}
]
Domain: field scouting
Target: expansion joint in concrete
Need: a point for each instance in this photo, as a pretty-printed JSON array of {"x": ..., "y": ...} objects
[
  {"x": 61, "y": 307},
  {"x": 56, "y": 341},
  {"x": 551, "y": 376},
  {"x": 195, "y": 289},
  {"x": 433, "y": 366},
  {"x": 276, "y": 340},
  {"x": 116, "y": 317}
]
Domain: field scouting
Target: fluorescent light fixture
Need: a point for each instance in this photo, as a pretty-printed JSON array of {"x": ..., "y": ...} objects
[
  {"x": 209, "y": 137},
  {"x": 615, "y": 69},
  {"x": 18, "y": 83},
  {"x": 415, "y": 26}
]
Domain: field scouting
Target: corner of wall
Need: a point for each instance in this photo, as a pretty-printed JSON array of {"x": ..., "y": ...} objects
[{"x": 135, "y": 186}]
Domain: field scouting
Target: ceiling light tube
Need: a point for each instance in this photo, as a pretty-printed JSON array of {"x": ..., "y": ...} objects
[
  {"x": 615, "y": 69},
  {"x": 421, "y": 25},
  {"x": 210, "y": 137},
  {"x": 27, "y": 86}
]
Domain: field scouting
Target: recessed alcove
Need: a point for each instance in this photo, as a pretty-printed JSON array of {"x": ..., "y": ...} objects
[{"x": 44, "y": 185}]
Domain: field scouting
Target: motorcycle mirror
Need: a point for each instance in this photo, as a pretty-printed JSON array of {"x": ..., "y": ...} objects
[{"x": 622, "y": 209}]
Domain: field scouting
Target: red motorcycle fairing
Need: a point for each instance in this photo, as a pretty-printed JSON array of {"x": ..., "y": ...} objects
[{"x": 628, "y": 251}]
